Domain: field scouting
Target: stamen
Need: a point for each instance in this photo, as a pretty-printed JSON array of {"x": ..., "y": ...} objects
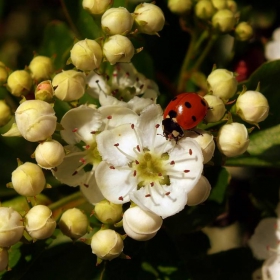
[
  {"x": 79, "y": 168},
  {"x": 86, "y": 185},
  {"x": 137, "y": 137},
  {"x": 134, "y": 173},
  {"x": 186, "y": 171},
  {"x": 190, "y": 151},
  {"x": 152, "y": 184},
  {"x": 125, "y": 154},
  {"x": 75, "y": 129},
  {"x": 93, "y": 132},
  {"x": 172, "y": 162},
  {"x": 136, "y": 161},
  {"x": 147, "y": 195},
  {"x": 120, "y": 198},
  {"x": 90, "y": 174},
  {"x": 138, "y": 148},
  {"x": 82, "y": 160},
  {"x": 168, "y": 193},
  {"x": 112, "y": 167}
]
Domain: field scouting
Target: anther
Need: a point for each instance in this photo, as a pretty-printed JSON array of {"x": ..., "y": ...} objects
[
  {"x": 147, "y": 195},
  {"x": 157, "y": 126},
  {"x": 109, "y": 117},
  {"x": 87, "y": 147},
  {"x": 93, "y": 132},
  {"x": 97, "y": 81},
  {"x": 141, "y": 86},
  {"x": 75, "y": 173},
  {"x": 82, "y": 160},
  {"x": 136, "y": 161},
  {"x": 168, "y": 193},
  {"x": 116, "y": 145},
  {"x": 86, "y": 185},
  {"x": 190, "y": 151},
  {"x": 134, "y": 173},
  {"x": 186, "y": 171},
  {"x": 132, "y": 126},
  {"x": 138, "y": 148},
  {"x": 121, "y": 198},
  {"x": 112, "y": 167},
  {"x": 172, "y": 162},
  {"x": 152, "y": 184},
  {"x": 75, "y": 129}
]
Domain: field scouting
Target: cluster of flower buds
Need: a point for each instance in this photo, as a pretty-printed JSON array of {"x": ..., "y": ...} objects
[
  {"x": 221, "y": 14},
  {"x": 250, "y": 106},
  {"x": 117, "y": 25},
  {"x": 37, "y": 222}
]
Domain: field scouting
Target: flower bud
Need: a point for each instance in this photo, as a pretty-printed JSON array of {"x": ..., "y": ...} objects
[
  {"x": 118, "y": 48},
  {"x": 44, "y": 91},
  {"x": 11, "y": 227},
  {"x": 233, "y": 139},
  {"x": 74, "y": 223},
  {"x": 206, "y": 142},
  {"x": 4, "y": 259},
  {"x": 252, "y": 107},
  {"x": 35, "y": 120},
  {"x": 3, "y": 74},
  {"x": 39, "y": 222},
  {"x": 96, "y": 7},
  {"x": 41, "y": 68},
  {"x": 219, "y": 4},
  {"x": 106, "y": 244},
  {"x": 108, "y": 212},
  {"x": 222, "y": 83},
  {"x": 86, "y": 55},
  {"x": 180, "y": 6},
  {"x": 224, "y": 20},
  {"x": 200, "y": 192},
  {"x": 19, "y": 83},
  {"x": 5, "y": 113},
  {"x": 69, "y": 85},
  {"x": 28, "y": 179},
  {"x": 243, "y": 31},
  {"x": 216, "y": 110},
  {"x": 117, "y": 21},
  {"x": 204, "y": 9},
  {"x": 49, "y": 154},
  {"x": 141, "y": 225},
  {"x": 232, "y": 6},
  {"x": 149, "y": 18}
]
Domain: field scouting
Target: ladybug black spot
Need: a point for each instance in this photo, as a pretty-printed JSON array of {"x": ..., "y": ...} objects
[
  {"x": 194, "y": 118},
  {"x": 188, "y": 104},
  {"x": 172, "y": 114},
  {"x": 203, "y": 102}
]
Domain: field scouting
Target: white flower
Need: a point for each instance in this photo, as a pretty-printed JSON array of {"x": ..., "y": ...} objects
[
  {"x": 139, "y": 164},
  {"x": 80, "y": 125},
  {"x": 272, "y": 48}
]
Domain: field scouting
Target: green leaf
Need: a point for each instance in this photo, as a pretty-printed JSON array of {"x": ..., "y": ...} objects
[{"x": 57, "y": 42}]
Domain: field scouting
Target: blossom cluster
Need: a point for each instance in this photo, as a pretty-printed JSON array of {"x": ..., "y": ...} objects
[{"x": 115, "y": 152}]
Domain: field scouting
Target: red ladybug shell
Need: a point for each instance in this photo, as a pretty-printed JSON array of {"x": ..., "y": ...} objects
[{"x": 185, "y": 111}]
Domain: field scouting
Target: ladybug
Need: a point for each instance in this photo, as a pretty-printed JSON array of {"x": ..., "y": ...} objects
[{"x": 184, "y": 112}]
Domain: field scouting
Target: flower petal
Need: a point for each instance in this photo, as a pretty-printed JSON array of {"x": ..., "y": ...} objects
[
  {"x": 78, "y": 123},
  {"x": 117, "y": 115},
  {"x": 187, "y": 165},
  {"x": 138, "y": 104},
  {"x": 97, "y": 85},
  {"x": 163, "y": 205},
  {"x": 92, "y": 193},
  {"x": 117, "y": 146},
  {"x": 115, "y": 183},
  {"x": 65, "y": 172},
  {"x": 105, "y": 100}
]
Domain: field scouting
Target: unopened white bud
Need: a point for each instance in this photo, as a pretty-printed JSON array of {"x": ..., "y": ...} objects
[
  {"x": 4, "y": 259},
  {"x": 224, "y": 20},
  {"x": 44, "y": 91},
  {"x": 39, "y": 222},
  {"x": 106, "y": 244},
  {"x": 219, "y": 4},
  {"x": 74, "y": 223},
  {"x": 11, "y": 227},
  {"x": 35, "y": 120},
  {"x": 41, "y": 68},
  {"x": 216, "y": 110},
  {"x": 180, "y": 6},
  {"x": 117, "y": 21},
  {"x": 232, "y": 6},
  {"x": 204, "y": 9},
  {"x": 243, "y": 31},
  {"x": 108, "y": 212},
  {"x": 49, "y": 154},
  {"x": 19, "y": 83},
  {"x": 149, "y": 18},
  {"x": 206, "y": 142},
  {"x": 118, "y": 48},
  {"x": 86, "y": 55},
  {"x": 200, "y": 192},
  {"x": 141, "y": 225},
  {"x": 28, "y": 179},
  {"x": 5, "y": 113},
  {"x": 3, "y": 74},
  {"x": 96, "y": 7},
  {"x": 252, "y": 107},
  {"x": 69, "y": 85},
  {"x": 233, "y": 139},
  {"x": 222, "y": 83}
]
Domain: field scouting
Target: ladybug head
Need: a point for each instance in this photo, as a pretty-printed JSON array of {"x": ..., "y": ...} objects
[{"x": 172, "y": 130}]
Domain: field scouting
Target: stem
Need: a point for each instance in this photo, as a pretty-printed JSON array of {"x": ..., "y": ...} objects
[
  {"x": 183, "y": 76},
  {"x": 70, "y": 201},
  {"x": 69, "y": 19}
]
